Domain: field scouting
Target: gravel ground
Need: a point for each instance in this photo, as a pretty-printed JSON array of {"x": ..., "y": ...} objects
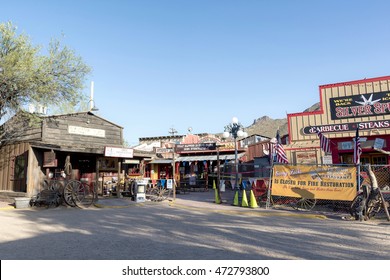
[{"x": 191, "y": 228}]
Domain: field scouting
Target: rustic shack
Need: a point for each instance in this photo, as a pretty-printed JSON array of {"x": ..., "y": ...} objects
[{"x": 31, "y": 149}]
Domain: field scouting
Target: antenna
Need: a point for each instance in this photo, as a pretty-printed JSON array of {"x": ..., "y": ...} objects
[{"x": 172, "y": 131}]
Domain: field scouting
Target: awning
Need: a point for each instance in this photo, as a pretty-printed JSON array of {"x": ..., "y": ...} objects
[
  {"x": 99, "y": 151},
  {"x": 208, "y": 157},
  {"x": 161, "y": 161}
]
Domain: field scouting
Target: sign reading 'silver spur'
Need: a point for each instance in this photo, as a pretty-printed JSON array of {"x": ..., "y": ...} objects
[{"x": 362, "y": 105}]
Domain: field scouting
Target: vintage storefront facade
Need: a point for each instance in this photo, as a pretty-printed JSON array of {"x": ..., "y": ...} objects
[
  {"x": 195, "y": 156},
  {"x": 86, "y": 144},
  {"x": 344, "y": 108}
]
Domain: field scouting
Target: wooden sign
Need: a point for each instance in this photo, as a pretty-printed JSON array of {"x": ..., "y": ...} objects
[{"x": 49, "y": 159}]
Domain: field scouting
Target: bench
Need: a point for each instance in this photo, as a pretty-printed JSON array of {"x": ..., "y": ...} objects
[{"x": 47, "y": 197}]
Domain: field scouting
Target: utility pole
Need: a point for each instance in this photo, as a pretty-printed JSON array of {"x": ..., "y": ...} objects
[{"x": 173, "y": 131}]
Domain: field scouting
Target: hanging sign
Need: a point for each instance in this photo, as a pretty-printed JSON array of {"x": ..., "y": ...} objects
[
  {"x": 49, "y": 159},
  {"x": 314, "y": 182},
  {"x": 180, "y": 148},
  {"x": 379, "y": 143},
  {"x": 169, "y": 184},
  {"x": 118, "y": 152}
]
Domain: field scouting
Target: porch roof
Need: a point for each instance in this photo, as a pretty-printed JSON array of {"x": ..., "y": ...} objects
[{"x": 208, "y": 157}]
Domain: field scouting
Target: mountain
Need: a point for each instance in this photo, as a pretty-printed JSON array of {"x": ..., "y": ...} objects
[{"x": 266, "y": 126}]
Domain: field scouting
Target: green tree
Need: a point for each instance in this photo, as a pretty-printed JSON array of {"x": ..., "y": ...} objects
[{"x": 29, "y": 77}]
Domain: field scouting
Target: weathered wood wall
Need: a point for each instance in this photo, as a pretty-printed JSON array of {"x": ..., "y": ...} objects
[
  {"x": 8, "y": 154},
  {"x": 81, "y": 131}
]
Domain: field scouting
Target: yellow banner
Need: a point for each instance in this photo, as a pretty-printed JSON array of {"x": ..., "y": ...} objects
[{"x": 319, "y": 182}]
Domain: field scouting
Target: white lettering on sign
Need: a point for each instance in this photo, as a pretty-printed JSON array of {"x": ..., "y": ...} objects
[
  {"x": 118, "y": 152},
  {"x": 163, "y": 150},
  {"x": 86, "y": 131}
]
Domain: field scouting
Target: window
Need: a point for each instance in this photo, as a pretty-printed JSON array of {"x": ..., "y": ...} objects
[
  {"x": 379, "y": 159},
  {"x": 375, "y": 159},
  {"x": 365, "y": 160}
]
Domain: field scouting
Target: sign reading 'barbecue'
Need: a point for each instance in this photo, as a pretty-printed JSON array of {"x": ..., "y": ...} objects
[
  {"x": 346, "y": 127},
  {"x": 363, "y": 105}
]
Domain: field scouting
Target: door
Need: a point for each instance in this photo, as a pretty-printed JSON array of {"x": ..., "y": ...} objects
[{"x": 19, "y": 173}]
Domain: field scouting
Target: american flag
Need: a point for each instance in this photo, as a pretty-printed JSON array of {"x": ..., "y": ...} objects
[
  {"x": 324, "y": 142},
  {"x": 357, "y": 149},
  {"x": 279, "y": 150}
]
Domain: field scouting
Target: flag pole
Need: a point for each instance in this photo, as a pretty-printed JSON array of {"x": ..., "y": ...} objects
[
  {"x": 356, "y": 156},
  {"x": 271, "y": 152},
  {"x": 358, "y": 177}
]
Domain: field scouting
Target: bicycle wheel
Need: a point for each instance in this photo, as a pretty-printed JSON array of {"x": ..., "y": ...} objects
[{"x": 304, "y": 204}]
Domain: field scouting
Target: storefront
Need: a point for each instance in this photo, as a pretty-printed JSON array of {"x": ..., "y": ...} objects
[
  {"x": 362, "y": 105},
  {"x": 79, "y": 146},
  {"x": 196, "y": 158},
  {"x": 198, "y": 163}
]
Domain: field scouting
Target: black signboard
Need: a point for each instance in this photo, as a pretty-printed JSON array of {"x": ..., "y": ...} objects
[
  {"x": 182, "y": 148},
  {"x": 337, "y": 128},
  {"x": 363, "y": 105}
]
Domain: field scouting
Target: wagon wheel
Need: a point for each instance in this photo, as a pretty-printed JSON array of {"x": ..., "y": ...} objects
[
  {"x": 68, "y": 193},
  {"x": 373, "y": 207},
  {"x": 81, "y": 195},
  {"x": 152, "y": 193},
  {"x": 355, "y": 207},
  {"x": 164, "y": 193},
  {"x": 84, "y": 195},
  {"x": 304, "y": 204}
]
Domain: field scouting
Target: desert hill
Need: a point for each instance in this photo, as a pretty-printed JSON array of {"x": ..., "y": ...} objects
[{"x": 267, "y": 126}]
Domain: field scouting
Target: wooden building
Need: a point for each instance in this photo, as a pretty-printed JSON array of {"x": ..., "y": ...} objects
[
  {"x": 89, "y": 144},
  {"x": 344, "y": 108}
]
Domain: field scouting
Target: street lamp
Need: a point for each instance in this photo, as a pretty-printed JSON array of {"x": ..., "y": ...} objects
[{"x": 235, "y": 129}]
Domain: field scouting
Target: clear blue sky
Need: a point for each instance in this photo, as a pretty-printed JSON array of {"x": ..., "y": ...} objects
[{"x": 159, "y": 64}]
